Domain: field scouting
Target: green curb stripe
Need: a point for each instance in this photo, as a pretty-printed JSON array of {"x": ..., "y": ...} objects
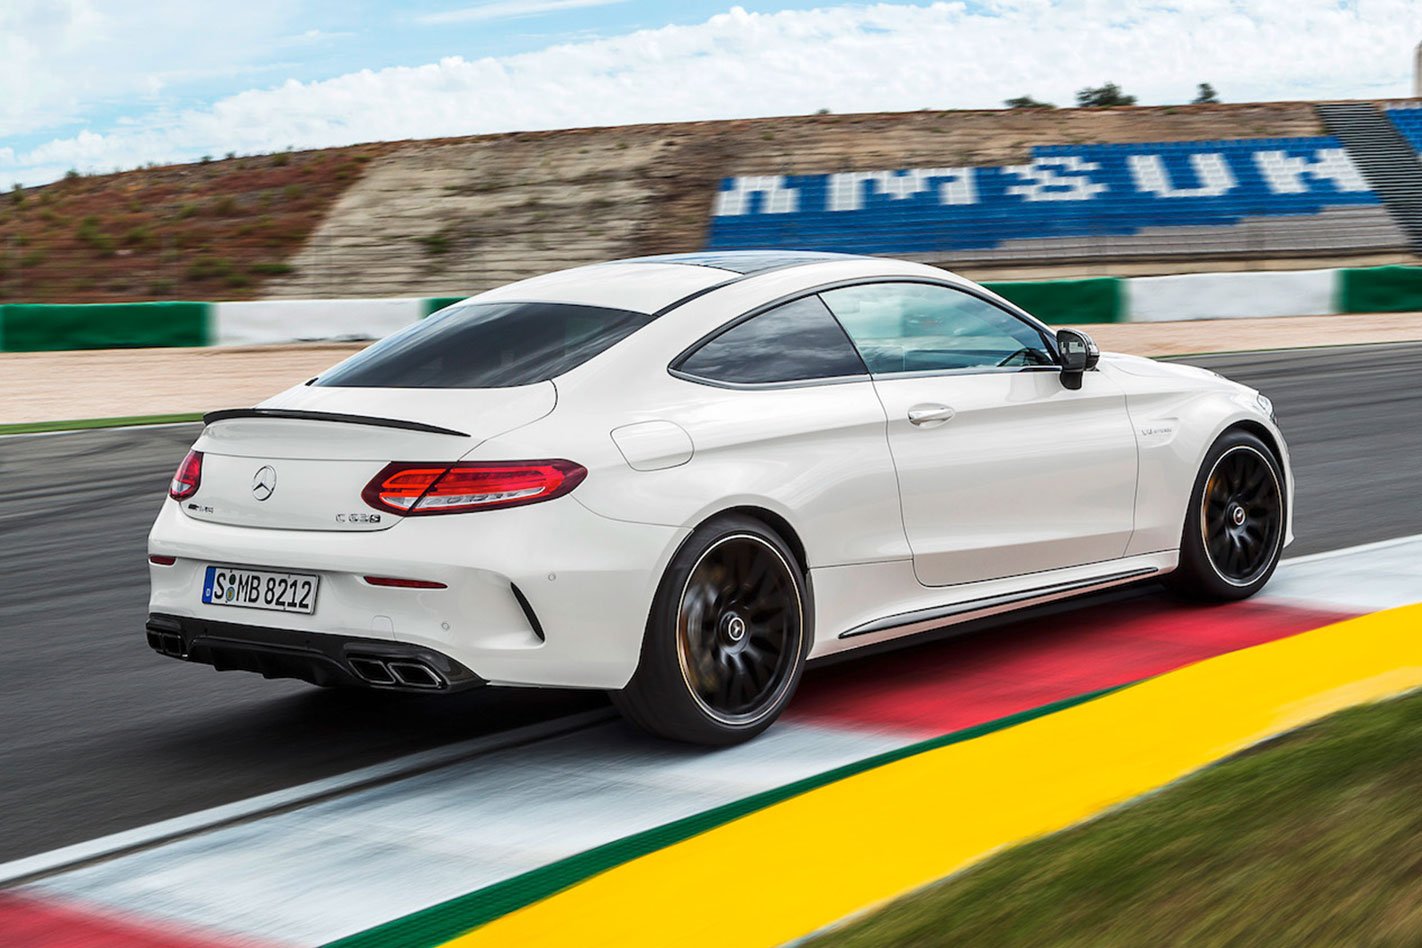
[
  {"x": 1380, "y": 289},
  {"x": 440, "y": 923},
  {"x": 436, "y": 303},
  {"x": 41, "y": 327},
  {"x": 1060, "y": 302},
  {"x": 36, "y": 427}
]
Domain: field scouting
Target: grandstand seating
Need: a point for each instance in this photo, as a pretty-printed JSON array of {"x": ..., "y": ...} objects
[
  {"x": 1064, "y": 195},
  {"x": 1408, "y": 119}
]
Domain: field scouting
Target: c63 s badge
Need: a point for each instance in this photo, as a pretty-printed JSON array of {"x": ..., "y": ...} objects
[{"x": 357, "y": 518}]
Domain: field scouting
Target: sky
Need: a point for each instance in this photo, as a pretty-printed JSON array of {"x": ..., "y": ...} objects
[{"x": 95, "y": 85}]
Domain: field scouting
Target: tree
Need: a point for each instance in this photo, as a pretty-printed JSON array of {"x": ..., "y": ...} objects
[
  {"x": 1027, "y": 102},
  {"x": 1206, "y": 95},
  {"x": 1102, "y": 97}
]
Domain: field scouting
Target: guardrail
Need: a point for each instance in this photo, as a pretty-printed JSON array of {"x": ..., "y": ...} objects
[{"x": 29, "y": 327}]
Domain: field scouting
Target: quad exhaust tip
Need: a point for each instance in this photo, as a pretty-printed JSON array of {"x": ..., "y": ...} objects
[
  {"x": 415, "y": 674},
  {"x": 410, "y": 674}
]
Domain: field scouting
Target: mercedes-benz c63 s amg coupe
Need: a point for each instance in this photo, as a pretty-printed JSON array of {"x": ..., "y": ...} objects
[{"x": 679, "y": 478}]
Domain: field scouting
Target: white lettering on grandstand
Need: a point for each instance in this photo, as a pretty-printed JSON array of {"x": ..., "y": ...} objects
[
  {"x": 1045, "y": 173},
  {"x": 779, "y": 198},
  {"x": 957, "y": 186},
  {"x": 1047, "y": 178},
  {"x": 1285, "y": 173},
  {"x": 1211, "y": 170}
]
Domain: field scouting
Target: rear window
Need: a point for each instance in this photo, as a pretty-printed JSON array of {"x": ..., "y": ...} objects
[{"x": 488, "y": 345}]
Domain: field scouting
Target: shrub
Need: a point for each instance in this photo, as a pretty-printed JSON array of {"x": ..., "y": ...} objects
[
  {"x": 88, "y": 232},
  {"x": 207, "y": 268},
  {"x": 435, "y": 244},
  {"x": 225, "y": 206},
  {"x": 270, "y": 268},
  {"x": 161, "y": 288}
]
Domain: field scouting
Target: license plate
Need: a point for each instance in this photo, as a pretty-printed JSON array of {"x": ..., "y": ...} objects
[{"x": 260, "y": 589}]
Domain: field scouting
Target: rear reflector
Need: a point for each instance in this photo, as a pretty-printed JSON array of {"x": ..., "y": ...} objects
[
  {"x": 158, "y": 560},
  {"x": 404, "y": 583},
  {"x": 188, "y": 478},
  {"x": 412, "y": 489}
]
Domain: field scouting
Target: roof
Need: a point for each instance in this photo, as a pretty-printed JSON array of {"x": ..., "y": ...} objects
[
  {"x": 653, "y": 284},
  {"x": 746, "y": 262}
]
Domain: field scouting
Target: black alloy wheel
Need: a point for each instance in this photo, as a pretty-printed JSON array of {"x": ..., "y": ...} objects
[
  {"x": 1241, "y": 515},
  {"x": 738, "y": 628},
  {"x": 726, "y": 639},
  {"x": 1235, "y": 522}
]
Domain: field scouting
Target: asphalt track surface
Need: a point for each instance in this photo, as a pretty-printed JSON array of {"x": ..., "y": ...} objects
[{"x": 98, "y": 734}]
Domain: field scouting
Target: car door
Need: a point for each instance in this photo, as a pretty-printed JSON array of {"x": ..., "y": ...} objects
[
  {"x": 787, "y": 411},
  {"x": 1002, "y": 470}
]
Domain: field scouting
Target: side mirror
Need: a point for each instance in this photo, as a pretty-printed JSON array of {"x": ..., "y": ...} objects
[{"x": 1079, "y": 354}]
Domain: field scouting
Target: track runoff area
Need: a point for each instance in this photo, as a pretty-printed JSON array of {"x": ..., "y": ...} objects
[{"x": 888, "y": 772}]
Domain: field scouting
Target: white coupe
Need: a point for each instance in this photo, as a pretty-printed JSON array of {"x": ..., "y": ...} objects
[{"x": 679, "y": 478}]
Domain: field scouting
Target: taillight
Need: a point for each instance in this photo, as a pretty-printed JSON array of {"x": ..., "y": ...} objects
[
  {"x": 420, "y": 489},
  {"x": 397, "y": 583},
  {"x": 189, "y": 477}
]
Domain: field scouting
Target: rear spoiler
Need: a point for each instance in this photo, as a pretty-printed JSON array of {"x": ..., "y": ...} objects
[{"x": 338, "y": 417}]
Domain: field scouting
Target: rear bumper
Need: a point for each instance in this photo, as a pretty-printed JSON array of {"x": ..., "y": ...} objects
[
  {"x": 548, "y": 595},
  {"x": 320, "y": 658}
]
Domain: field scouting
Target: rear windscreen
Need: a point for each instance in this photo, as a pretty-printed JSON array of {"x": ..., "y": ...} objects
[{"x": 487, "y": 345}]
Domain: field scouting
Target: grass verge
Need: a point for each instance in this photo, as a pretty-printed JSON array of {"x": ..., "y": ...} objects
[
  {"x": 38, "y": 427},
  {"x": 1312, "y": 839}
]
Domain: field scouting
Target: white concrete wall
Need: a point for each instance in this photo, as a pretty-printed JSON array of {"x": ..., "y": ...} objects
[
  {"x": 265, "y": 321},
  {"x": 1230, "y": 295}
]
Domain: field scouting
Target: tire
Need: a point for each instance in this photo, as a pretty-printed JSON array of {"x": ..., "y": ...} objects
[
  {"x": 1234, "y": 526},
  {"x": 726, "y": 638}
]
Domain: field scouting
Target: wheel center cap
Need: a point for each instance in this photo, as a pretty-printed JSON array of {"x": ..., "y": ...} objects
[
  {"x": 1237, "y": 515},
  {"x": 733, "y": 627}
]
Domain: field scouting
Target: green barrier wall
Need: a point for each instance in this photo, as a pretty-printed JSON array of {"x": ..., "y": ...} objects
[
  {"x": 436, "y": 303},
  {"x": 1060, "y": 302},
  {"x": 37, "y": 327},
  {"x": 1380, "y": 290}
]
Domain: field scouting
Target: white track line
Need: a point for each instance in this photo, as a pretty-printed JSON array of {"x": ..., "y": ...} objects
[
  {"x": 1350, "y": 550},
  {"x": 32, "y": 867}
]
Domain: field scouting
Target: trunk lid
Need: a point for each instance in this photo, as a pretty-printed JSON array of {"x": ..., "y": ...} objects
[{"x": 300, "y": 460}]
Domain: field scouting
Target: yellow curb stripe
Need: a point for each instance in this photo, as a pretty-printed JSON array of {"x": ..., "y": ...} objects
[{"x": 800, "y": 865}]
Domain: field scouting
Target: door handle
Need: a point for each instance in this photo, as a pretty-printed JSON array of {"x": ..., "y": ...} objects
[{"x": 929, "y": 416}]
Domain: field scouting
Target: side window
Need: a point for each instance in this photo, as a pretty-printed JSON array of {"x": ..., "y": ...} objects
[
  {"x": 921, "y": 327},
  {"x": 799, "y": 341}
]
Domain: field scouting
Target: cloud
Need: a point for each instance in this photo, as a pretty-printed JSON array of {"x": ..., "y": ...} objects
[
  {"x": 62, "y": 59},
  {"x": 847, "y": 58},
  {"x": 507, "y": 10}
]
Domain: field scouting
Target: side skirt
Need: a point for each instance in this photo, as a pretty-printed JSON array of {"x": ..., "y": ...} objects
[
  {"x": 938, "y": 614},
  {"x": 853, "y": 603}
]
